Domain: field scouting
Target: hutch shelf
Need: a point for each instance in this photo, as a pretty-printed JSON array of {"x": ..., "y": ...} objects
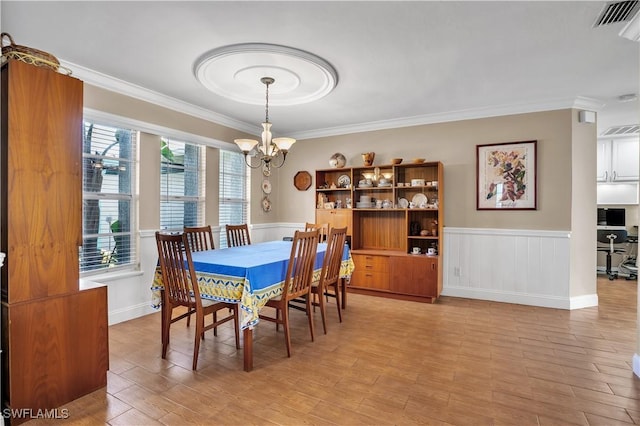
[{"x": 394, "y": 215}]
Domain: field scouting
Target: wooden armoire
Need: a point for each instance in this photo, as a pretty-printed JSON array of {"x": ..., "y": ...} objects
[{"x": 54, "y": 334}]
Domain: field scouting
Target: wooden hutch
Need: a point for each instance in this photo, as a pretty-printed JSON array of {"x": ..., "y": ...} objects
[
  {"x": 385, "y": 221},
  {"x": 54, "y": 335}
]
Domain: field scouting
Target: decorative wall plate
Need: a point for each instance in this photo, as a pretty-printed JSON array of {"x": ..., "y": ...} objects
[
  {"x": 266, "y": 186},
  {"x": 266, "y": 204},
  {"x": 344, "y": 181},
  {"x": 302, "y": 180}
]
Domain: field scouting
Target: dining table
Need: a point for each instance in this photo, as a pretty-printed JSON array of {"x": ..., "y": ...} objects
[{"x": 248, "y": 275}]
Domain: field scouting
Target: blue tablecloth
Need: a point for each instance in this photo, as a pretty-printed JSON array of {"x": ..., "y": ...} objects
[{"x": 249, "y": 275}]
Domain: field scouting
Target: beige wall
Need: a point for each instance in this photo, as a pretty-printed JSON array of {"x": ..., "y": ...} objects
[
  {"x": 149, "y": 182},
  {"x": 566, "y": 160},
  {"x": 451, "y": 143},
  {"x": 566, "y": 184},
  {"x": 583, "y": 208},
  {"x": 125, "y": 106},
  {"x": 454, "y": 144}
]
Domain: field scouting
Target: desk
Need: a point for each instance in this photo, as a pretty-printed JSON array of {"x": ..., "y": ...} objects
[{"x": 249, "y": 275}]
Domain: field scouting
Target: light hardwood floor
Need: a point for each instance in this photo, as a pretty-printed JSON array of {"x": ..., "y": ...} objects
[{"x": 459, "y": 362}]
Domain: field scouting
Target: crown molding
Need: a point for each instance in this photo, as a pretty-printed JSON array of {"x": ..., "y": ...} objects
[
  {"x": 120, "y": 86},
  {"x": 468, "y": 114},
  {"x": 107, "y": 118}
]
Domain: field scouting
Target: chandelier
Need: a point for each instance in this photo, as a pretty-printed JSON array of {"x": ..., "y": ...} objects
[{"x": 272, "y": 151}]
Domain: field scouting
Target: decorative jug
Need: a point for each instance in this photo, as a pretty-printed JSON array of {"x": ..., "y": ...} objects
[{"x": 368, "y": 157}]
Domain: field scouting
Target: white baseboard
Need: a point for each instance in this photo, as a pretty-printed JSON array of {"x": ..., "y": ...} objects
[
  {"x": 579, "y": 302},
  {"x": 131, "y": 312},
  {"x": 507, "y": 297},
  {"x": 584, "y": 301}
]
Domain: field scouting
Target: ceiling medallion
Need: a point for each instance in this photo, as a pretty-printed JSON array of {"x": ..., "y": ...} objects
[{"x": 232, "y": 72}]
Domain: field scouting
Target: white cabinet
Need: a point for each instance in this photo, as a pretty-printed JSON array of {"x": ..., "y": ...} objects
[{"x": 618, "y": 159}]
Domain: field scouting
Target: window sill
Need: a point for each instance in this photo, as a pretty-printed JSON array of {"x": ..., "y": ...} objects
[{"x": 111, "y": 276}]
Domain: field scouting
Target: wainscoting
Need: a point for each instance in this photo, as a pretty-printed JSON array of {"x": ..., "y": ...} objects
[{"x": 529, "y": 267}]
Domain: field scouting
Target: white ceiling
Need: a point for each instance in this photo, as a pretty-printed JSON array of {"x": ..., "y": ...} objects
[{"x": 398, "y": 63}]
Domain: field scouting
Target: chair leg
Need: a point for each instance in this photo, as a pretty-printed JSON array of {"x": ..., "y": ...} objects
[
  {"x": 285, "y": 324},
  {"x": 337, "y": 290},
  {"x": 322, "y": 312},
  {"x": 199, "y": 333},
  {"x": 165, "y": 330},
  {"x": 215, "y": 320},
  {"x": 236, "y": 325},
  {"x": 309, "y": 315}
]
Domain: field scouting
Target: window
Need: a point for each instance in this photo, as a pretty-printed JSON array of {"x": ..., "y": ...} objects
[
  {"x": 107, "y": 209},
  {"x": 234, "y": 191},
  {"x": 181, "y": 185}
]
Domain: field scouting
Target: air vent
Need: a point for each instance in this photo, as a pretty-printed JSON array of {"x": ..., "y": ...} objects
[
  {"x": 619, "y": 11},
  {"x": 628, "y": 130}
]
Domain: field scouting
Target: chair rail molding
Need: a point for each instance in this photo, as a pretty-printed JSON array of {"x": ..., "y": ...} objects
[{"x": 529, "y": 267}]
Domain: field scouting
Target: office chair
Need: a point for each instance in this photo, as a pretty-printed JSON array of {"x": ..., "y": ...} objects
[{"x": 611, "y": 237}]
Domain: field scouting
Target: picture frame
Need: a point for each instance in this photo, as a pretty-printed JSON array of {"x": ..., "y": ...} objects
[{"x": 506, "y": 176}]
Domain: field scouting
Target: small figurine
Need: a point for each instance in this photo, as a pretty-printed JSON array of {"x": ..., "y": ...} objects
[{"x": 321, "y": 200}]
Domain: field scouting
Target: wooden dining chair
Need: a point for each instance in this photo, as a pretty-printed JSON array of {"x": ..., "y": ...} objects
[
  {"x": 238, "y": 235},
  {"x": 200, "y": 238},
  {"x": 323, "y": 230},
  {"x": 297, "y": 282},
  {"x": 181, "y": 289},
  {"x": 330, "y": 274}
]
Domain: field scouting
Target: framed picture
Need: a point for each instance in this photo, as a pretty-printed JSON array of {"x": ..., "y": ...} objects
[{"x": 506, "y": 176}]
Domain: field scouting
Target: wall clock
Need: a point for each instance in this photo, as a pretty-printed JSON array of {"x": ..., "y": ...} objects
[
  {"x": 266, "y": 186},
  {"x": 302, "y": 181}
]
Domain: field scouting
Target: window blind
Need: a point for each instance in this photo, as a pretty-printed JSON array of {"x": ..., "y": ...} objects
[
  {"x": 234, "y": 191},
  {"x": 108, "y": 170}
]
